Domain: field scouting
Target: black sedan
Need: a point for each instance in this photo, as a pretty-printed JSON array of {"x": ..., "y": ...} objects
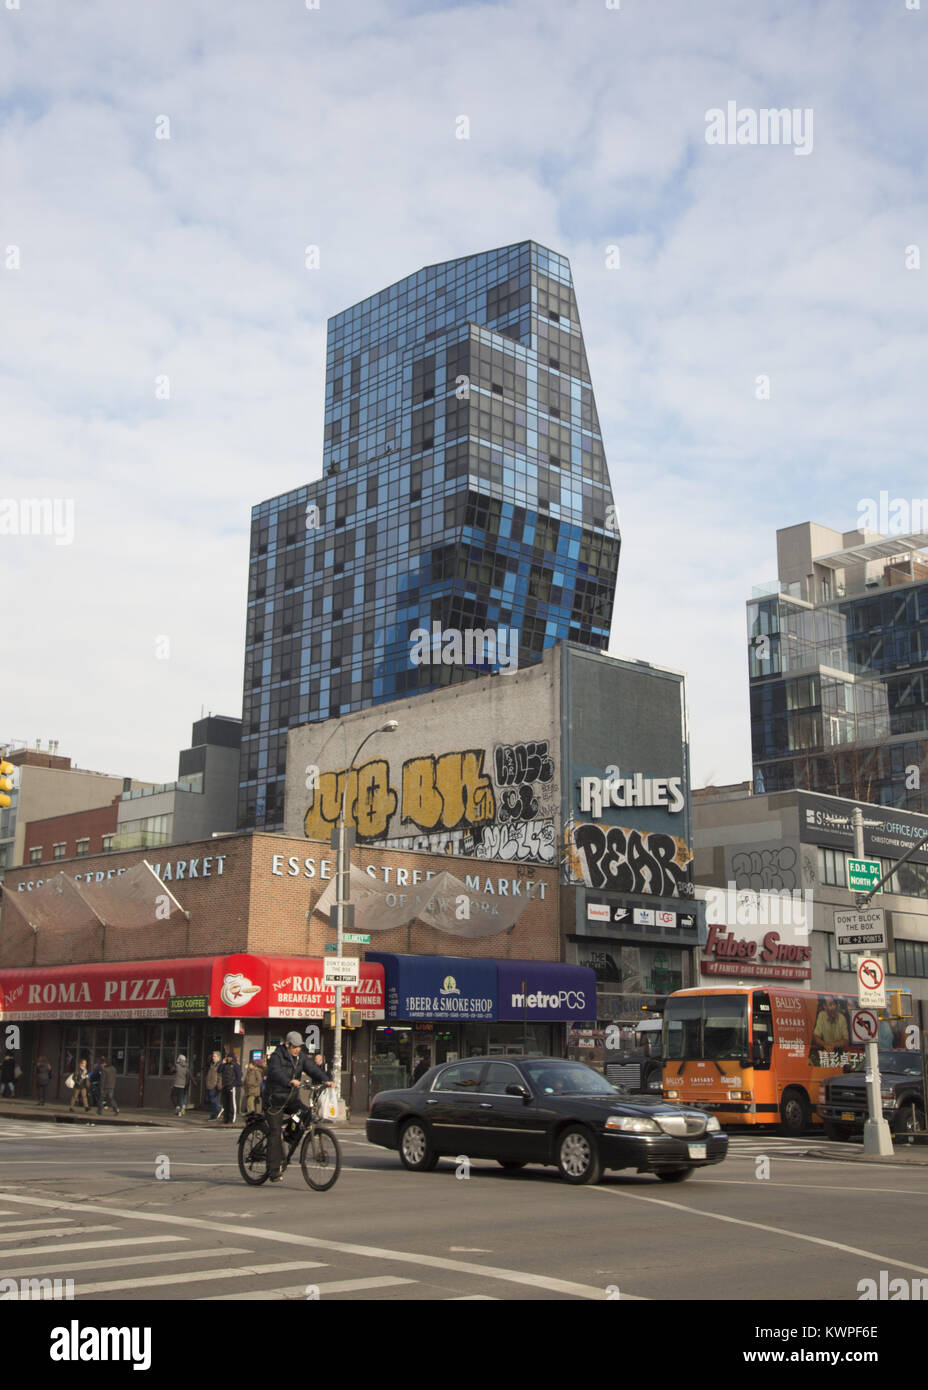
[{"x": 542, "y": 1110}]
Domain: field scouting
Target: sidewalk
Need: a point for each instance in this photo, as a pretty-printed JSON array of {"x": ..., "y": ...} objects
[{"x": 57, "y": 1112}]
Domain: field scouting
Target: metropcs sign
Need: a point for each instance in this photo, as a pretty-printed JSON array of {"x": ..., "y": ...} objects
[{"x": 597, "y": 793}]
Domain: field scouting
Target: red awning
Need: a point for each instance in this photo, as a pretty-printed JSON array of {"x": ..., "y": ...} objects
[
  {"x": 247, "y": 986},
  {"x": 124, "y": 989},
  {"x": 237, "y": 986}
]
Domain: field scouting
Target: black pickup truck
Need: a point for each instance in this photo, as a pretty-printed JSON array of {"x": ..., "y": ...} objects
[{"x": 845, "y": 1106}]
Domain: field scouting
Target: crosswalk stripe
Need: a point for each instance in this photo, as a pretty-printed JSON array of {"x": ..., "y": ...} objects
[
  {"x": 65, "y": 1246},
  {"x": 32, "y": 1221},
  {"x": 56, "y": 1230},
  {"x": 122, "y": 1261},
  {"x": 199, "y": 1276},
  {"x": 472, "y": 1298},
  {"x": 382, "y": 1281}
]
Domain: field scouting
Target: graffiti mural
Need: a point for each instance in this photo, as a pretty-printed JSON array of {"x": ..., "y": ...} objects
[
  {"x": 628, "y": 861},
  {"x": 448, "y": 791},
  {"x": 447, "y": 803},
  {"x": 518, "y": 767},
  {"x": 369, "y": 804},
  {"x": 531, "y": 840},
  {"x": 764, "y": 869}
]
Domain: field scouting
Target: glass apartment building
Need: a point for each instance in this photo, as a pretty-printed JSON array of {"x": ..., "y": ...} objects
[
  {"x": 464, "y": 487},
  {"x": 838, "y": 659}
]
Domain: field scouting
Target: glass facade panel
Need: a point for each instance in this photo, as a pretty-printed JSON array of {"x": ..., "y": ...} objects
[{"x": 464, "y": 488}]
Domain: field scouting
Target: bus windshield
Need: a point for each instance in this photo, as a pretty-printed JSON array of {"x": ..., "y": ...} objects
[{"x": 706, "y": 1026}]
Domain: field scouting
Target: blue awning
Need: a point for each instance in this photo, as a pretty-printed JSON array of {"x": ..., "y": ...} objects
[
  {"x": 467, "y": 989},
  {"x": 546, "y": 990}
]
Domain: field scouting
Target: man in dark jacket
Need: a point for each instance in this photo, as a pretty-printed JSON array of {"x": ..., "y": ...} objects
[
  {"x": 230, "y": 1077},
  {"x": 285, "y": 1070},
  {"x": 107, "y": 1093}
]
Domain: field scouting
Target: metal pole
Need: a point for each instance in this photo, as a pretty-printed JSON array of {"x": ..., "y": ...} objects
[
  {"x": 342, "y": 870},
  {"x": 877, "y": 1138},
  {"x": 924, "y": 1057},
  {"x": 339, "y": 914}
]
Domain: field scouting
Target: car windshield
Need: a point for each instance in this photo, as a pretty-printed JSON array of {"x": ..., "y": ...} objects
[
  {"x": 567, "y": 1079},
  {"x": 900, "y": 1063}
]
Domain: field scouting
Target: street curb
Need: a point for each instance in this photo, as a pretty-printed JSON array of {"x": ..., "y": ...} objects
[
  {"x": 897, "y": 1161},
  {"x": 198, "y": 1120}
]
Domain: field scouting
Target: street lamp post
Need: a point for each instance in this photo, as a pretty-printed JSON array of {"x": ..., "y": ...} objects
[{"x": 342, "y": 872}]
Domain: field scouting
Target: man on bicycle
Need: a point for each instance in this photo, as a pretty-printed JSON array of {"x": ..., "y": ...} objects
[{"x": 285, "y": 1070}]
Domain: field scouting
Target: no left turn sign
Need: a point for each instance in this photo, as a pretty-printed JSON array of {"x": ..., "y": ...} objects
[
  {"x": 871, "y": 985},
  {"x": 864, "y": 1026}
]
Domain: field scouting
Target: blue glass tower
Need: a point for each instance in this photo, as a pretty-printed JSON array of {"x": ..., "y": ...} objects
[{"x": 464, "y": 485}]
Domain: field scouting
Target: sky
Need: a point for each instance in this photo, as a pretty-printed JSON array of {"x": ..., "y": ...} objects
[{"x": 753, "y": 313}]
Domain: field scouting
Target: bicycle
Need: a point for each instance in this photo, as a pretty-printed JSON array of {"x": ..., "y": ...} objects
[{"x": 320, "y": 1154}]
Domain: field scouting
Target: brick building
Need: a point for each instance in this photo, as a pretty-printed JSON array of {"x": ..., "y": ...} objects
[
  {"x": 240, "y": 961},
  {"x": 76, "y": 835}
]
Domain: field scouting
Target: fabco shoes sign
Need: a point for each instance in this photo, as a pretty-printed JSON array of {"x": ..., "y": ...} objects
[{"x": 599, "y": 793}]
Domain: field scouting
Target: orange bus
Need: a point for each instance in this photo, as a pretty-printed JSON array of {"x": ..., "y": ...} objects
[{"x": 757, "y": 1055}]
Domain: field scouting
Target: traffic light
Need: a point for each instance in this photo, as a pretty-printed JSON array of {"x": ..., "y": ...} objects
[
  {"x": 351, "y": 1018},
  {"x": 900, "y": 1003},
  {"x": 6, "y": 782}
]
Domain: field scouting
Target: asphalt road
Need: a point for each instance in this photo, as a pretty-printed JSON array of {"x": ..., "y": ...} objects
[{"x": 85, "y": 1203}]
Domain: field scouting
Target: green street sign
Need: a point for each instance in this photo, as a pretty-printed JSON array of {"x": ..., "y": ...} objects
[
  {"x": 863, "y": 874},
  {"x": 332, "y": 946},
  {"x": 357, "y": 937}
]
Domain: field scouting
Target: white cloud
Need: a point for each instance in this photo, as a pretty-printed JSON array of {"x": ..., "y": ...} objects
[{"x": 184, "y": 257}]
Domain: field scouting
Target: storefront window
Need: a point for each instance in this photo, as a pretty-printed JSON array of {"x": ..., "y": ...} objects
[
  {"x": 515, "y": 1040},
  {"x": 135, "y": 1038},
  {"x": 392, "y": 1059},
  {"x": 118, "y": 1050}
]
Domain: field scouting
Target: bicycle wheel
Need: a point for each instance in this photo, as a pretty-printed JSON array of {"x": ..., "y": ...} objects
[
  {"x": 320, "y": 1159},
  {"x": 252, "y": 1153}
]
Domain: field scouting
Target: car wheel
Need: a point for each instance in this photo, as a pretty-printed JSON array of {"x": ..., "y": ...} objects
[
  {"x": 416, "y": 1153},
  {"x": 578, "y": 1158},
  {"x": 840, "y": 1133},
  {"x": 909, "y": 1119},
  {"x": 795, "y": 1113},
  {"x": 512, "y": 1163},
  {"x": 676, "y": 1174}
]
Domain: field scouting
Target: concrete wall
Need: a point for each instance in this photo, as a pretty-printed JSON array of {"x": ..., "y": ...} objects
[
  {"x": 470, "y": 770},
  {"x": 46, "y": 791}
]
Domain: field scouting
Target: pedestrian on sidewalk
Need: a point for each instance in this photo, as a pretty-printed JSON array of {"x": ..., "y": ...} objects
[
  {"x": 179, "y": 1089},
  {"x": 107, "y": 1087},
  {"x": 81, "y": 1078},
  {"x": 212, "y": 1086},
  {"x": 8, "y": 1075},
  {"x": 43, "y": 1075},
  {"x": 96, "y": 1091},
  {"x": 230, "y": 1077},
  {"x": 251, "y": 1095}
]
